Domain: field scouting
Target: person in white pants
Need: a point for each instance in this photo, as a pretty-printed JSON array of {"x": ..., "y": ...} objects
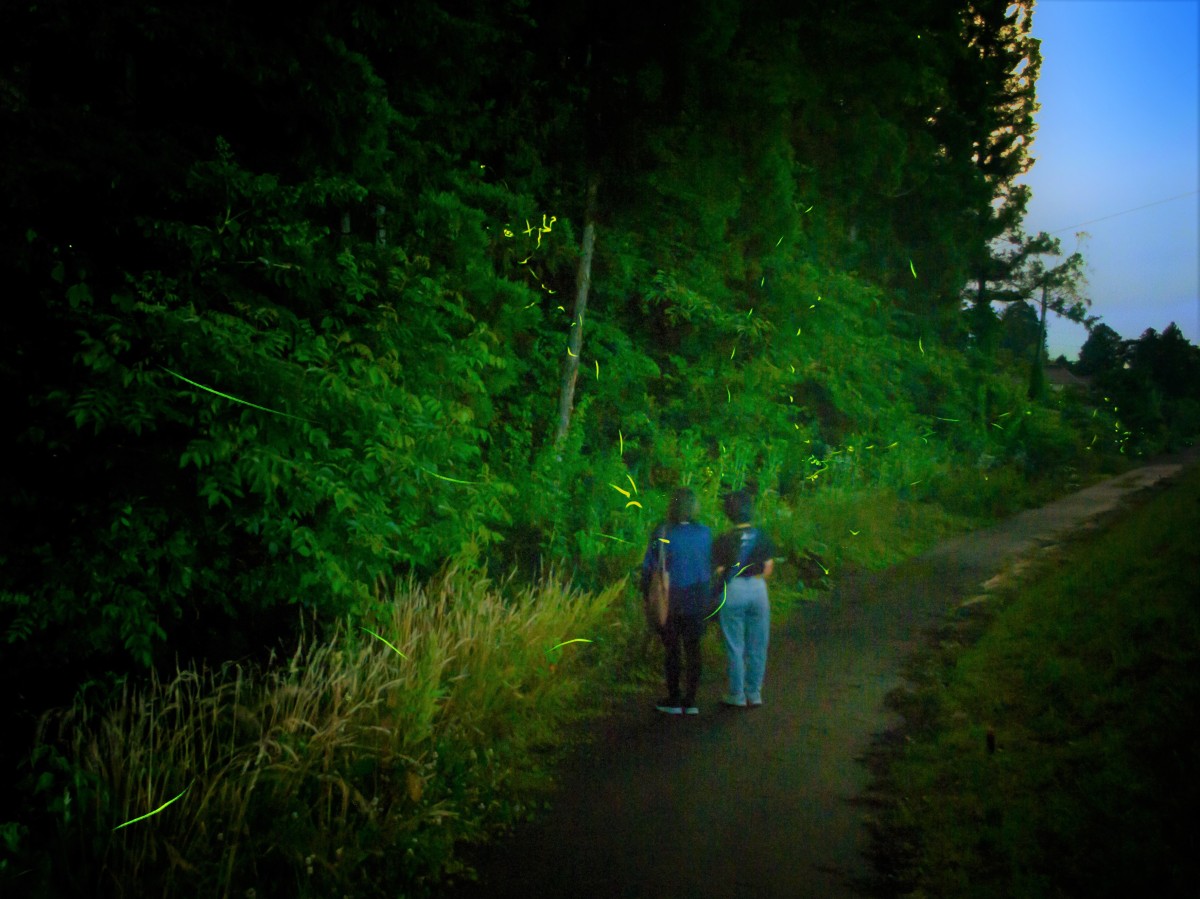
[{"x": 743, "y": 560}]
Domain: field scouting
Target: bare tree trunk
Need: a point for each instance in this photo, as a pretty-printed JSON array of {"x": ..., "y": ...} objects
[
  {"x": 583, "y": 281},
  {"x": 1037, "y": 376}
]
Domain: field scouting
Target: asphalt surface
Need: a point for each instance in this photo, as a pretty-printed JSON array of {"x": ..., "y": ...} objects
[{"x": 760, "y": 803}]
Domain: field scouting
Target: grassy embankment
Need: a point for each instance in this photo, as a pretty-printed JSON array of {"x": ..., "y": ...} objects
[
  {"x": 1049, "y": 744},
  {"x": 350, "y": 769}
]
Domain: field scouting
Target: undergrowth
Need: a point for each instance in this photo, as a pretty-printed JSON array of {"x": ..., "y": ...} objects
[
  {"x": 1047, "y": 748},
  {"x": 354, "y": 767}
]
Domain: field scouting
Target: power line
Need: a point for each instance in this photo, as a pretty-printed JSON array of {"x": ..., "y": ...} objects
[{"x": 1105, "y": 218}]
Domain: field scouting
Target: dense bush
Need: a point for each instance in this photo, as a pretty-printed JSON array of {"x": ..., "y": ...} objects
[{"x": 356, "y": 765}]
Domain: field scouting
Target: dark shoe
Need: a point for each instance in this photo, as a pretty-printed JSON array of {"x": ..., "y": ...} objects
[{"x": 670, "y": 707}]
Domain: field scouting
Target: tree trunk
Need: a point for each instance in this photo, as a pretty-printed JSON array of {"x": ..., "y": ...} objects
[
  {"x": 583, "y": 281},
  {"x": 1037, "y": 376}
]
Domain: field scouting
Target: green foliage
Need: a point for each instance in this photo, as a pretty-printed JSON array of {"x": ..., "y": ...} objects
[
  {"x": 307, "y": 337},
  {"x": 1085, "y": 677},
  {"x": 346, "y": 768}
]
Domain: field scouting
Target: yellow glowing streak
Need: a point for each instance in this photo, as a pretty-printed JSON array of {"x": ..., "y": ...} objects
[
  {"x": 631, "y": 483},
  {"x": 566, "y": 642},
  {"x": 912, "y": 268},
  {"x": 621, "y": 439},
  {"x": 778, "y": 242},
  {"x": 569, "y": 353},
  {"x": 724, "y": 594},
  {"x": 633, "y": 502},
  {"x": 233, "y": 399},
  {"x": 625, "y": 493},
  {"x": 920, "y": 346},
  {"x": 155, "y": 812},
  {"x": 376, "y": 636},
  {"x": 444, "y": 478},
  {"x": 663, "y": 540},
  {"x": 618, "y": 539},
  {"x": 854, "y": 532},
  {"x": 597, "y": 361}
]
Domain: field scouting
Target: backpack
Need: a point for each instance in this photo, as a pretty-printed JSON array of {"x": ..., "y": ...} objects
[{"x": 749, "y": 541}]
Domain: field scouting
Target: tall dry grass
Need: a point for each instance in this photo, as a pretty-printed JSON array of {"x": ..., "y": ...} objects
[{"x": 344, "y": 770}]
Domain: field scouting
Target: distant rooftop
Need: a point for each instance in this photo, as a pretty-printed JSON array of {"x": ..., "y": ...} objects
[{"x": 1060, "y": 377}]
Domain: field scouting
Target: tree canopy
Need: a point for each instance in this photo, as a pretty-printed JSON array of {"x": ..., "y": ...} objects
[{"x": 295, "y": 292}]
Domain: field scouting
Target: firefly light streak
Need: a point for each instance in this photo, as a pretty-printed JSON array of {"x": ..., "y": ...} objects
[
  {"x": 155, "y": 812},
  {"x": 566, "y": 642},
  {"x": 444, "y": 478},
  {"x": 377, "y": 637},
  {"x": 724, "y": 595},
  {"x": 233, "y": 398}
]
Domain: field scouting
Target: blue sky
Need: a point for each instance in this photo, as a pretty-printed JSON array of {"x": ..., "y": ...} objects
[{"x": 1119, "y": 128}]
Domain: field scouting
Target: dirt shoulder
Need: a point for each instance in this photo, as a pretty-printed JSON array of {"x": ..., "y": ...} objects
[{"x": 761, "y": 803}]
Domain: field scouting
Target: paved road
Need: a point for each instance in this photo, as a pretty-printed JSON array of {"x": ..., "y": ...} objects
[{"x": 759, "y": 803}]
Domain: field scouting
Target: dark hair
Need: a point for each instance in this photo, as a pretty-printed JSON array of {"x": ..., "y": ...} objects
[
  {"x": 738, "y": 506},
  {"x": 684, "y": 506}
]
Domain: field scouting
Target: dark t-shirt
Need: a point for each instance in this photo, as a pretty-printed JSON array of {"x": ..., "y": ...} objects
[{"x": 727, "y": 547}]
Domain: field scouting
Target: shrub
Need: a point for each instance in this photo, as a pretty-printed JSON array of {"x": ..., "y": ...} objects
[{"x": 354, "y": 766}]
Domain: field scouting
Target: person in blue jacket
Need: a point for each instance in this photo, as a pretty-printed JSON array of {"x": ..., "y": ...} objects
[{"x": 688, "y": 547}]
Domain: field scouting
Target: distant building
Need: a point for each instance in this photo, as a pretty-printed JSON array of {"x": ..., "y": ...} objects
[{"x": 1061, "y": 378}]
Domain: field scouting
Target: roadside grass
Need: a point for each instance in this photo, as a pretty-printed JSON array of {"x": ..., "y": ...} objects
[
  {"x": 869, "y": 528},
  {"x": 1085, "y": 677},
  {"x": 347, "y": 769}
]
